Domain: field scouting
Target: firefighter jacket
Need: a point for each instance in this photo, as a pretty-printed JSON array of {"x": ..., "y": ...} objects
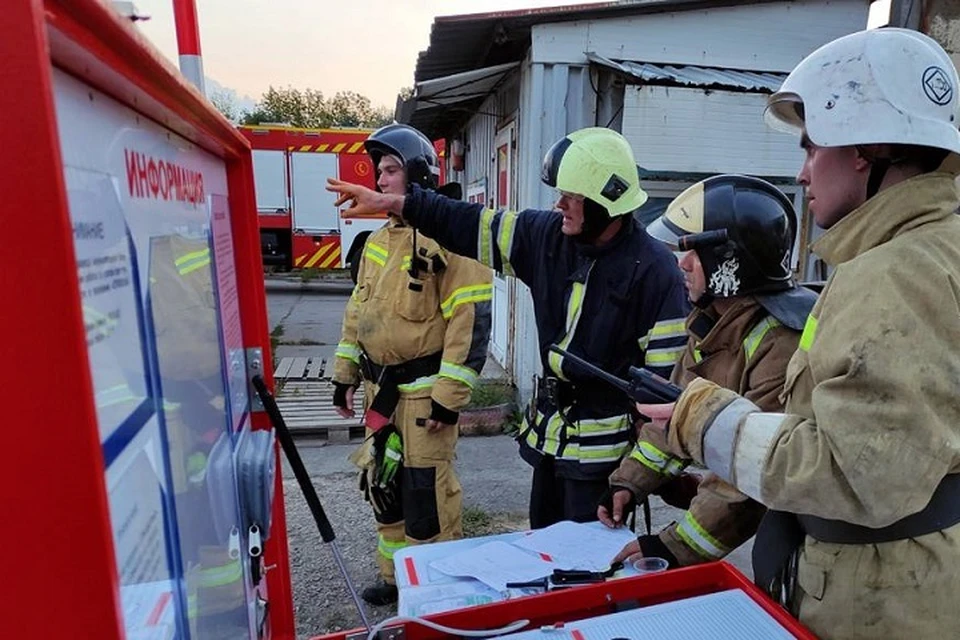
[
  {"x": 745, "y": 349},
  {"x": 872, "y": 422},
  {"x": 618, "y": 305},
  {"x": 394, "y": 317}
]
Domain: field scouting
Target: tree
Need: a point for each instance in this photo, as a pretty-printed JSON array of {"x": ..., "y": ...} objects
[
  {"x": 225, "y": 101},
  {"x": 308, "y": 108}
]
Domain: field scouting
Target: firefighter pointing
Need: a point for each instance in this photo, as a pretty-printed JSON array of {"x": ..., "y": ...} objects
[
  {"x": 602, "y": 289},
  {"x": 862, "y": 467},
  {"x": 745, "y": 326},
  {"x": 416, "y": 331}
]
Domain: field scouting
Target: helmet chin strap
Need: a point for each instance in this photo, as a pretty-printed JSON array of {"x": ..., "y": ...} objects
[{"x": 595, "y": 222}]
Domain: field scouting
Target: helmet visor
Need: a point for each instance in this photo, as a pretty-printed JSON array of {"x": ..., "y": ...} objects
[{"x": 784, "y": 113}]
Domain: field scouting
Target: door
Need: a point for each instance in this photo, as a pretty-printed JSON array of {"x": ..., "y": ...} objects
[
  {"x": 504, "y": 180},
  {"x": 313, "y": 209}
]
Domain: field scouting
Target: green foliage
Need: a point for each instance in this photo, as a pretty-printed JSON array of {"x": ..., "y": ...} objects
[
  {"x": 308, "y": 108},
  {"x": 491, "y": 394}
]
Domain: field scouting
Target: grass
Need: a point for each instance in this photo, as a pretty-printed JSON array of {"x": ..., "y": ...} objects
[
  {"x": 308, "y": 275},
  {"x": 490, "y": 394},
  {"x": 302, "y": 342}
]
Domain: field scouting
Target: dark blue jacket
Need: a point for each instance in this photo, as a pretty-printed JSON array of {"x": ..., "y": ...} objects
[{"x": 618, "y": 305}]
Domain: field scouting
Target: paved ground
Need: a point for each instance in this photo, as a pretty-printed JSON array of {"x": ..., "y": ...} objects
[{"x": 495, "y": 480}]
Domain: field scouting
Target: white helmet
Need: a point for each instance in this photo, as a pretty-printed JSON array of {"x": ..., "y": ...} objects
[{"x": 882, "y": 86}]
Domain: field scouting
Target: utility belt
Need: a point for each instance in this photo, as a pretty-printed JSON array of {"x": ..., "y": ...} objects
[
  {"x": 781, "y": 534},
  {"x": 389, "y": 377},
  {"x": 564, "y": 394}
]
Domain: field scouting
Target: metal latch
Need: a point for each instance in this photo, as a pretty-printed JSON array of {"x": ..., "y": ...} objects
[{"x": 254, "y": 368}]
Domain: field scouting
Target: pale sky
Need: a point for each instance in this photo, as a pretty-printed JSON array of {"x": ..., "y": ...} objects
[{"x": 367, "y": 46}]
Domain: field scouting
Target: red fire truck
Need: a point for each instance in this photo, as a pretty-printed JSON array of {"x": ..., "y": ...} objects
[{"x": 299, "y": 226}]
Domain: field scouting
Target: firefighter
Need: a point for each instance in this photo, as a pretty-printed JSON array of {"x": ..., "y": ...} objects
[
  {"x": 602, "y": 289},
  {"x": 416, "y": 331},
  {"x": 745, "y": 325},
  {"x": 862, "y": 467}
]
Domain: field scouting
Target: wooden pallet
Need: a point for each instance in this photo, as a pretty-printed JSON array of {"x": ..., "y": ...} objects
[
  {"x": 305, "y": 398},
  {"x": 311, "y": 368}
]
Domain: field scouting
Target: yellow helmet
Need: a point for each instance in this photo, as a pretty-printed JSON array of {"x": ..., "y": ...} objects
[{"x": 598, "y": 164}]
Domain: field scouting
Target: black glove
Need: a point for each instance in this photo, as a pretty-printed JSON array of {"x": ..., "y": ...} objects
[
  {"x": 653, "y": 547},
  {"x": 340, "y": 394},
  {"x": 440, "y": 413},
  {"x": 606, "y": 500}
]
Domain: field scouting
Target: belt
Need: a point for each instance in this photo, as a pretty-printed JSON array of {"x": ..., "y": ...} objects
[
  {"x": 388, "y": 378},
  {"x": 781, "y": 534}
]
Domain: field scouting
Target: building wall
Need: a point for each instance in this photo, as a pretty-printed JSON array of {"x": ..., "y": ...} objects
[
  {"x": 763, "y": 37},
  {"x": 706, "y": 131}
]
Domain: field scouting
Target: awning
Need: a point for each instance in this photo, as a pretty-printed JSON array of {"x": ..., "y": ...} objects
[
  {"x": 693, "y": 76},
  {"x": 435, "y": 101}
]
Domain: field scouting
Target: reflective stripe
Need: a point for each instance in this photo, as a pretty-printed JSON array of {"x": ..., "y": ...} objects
[
  {"x": 697, "y": 356},
  {"x": 376, "y": 253},
  {"x": 406, "y": 263},
  {"x": 348, "y": 351},
  {"x": 603, "y": 426},
  {"x": 595, "y": 453},
  {"x": 551, "y": 441},
  {"x": 113, "y": 396},
  {"x": 809, "y": 333},
  {"x": 464, "y": 295},
  {"x": 574, "y": 307},
  {"x": 459, "y": 373},
  {"x": 485, "y": 238},
  {"x": 698, "y": 539},
  {"x": 508, "y": 222},
  {"x": 417, "y": 385},
  {"x": 663, "y": 357},
  {"x": 669, "y": 329},
  {"x": 220, "y": 576},
  {"x": 720, "y": 435},
  {"x": 387, "y": 548},
  {"x": 192, "y": 261},
  {"x": 656, "y": 460},
  {"x": 752, "y": 342},
  {"x": 644, "y": 342},
  {"x": 757, "y": 435}
]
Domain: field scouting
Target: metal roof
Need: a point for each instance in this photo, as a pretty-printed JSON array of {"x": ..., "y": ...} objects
[
  {"x": 692, "y": 76},
  {"x": 460, "y": 43}
]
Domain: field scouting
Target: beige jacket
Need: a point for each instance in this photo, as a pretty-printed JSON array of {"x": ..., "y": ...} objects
[{"x": 872, "y": 422}]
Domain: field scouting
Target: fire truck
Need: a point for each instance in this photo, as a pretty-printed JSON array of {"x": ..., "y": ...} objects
[{"x": 299, "y": 226}]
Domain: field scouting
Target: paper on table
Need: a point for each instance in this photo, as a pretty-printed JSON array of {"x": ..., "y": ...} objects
[
  {"x": 573, "y": 545},
  {"x": 495, "y": 564}
]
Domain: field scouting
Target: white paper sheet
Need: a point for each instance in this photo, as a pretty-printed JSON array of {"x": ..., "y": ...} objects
[
  {"x": 495, "y": 564},
  {"x": 572, "y": 545}
]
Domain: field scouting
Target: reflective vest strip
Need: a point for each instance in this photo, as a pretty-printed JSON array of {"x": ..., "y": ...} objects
[
  {"x": 387, "y": 548},
  {"x": 752, "y": 342},
  {"x": 668, "y": 329},
  {"x": 697, "y": 356},
  {"x": 192, "y": 261},
  {"x": 459, "y": 373},
  {"x": 220, "y": 576},
  {"x": 485, "y": 238},
  {"x": 574, "y": 307},
  {"x": 406, "y": 263},
  {"x": 603, "y": 426},
  {"x": 698, "y": 539},
  {"x": 464, "y": 295},
  {"x": 348, "y": 351},
  {"x": 809, "y": 333},
  {"x": 551, "y": 442},
  {"x": 664, "y": 357},
  {"x": 508, "y": 222},
  {"x": 595, "y": 453}
]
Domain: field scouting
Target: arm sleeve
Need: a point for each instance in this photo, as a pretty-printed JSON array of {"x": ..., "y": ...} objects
[
  {"x": 663, "y": 336},
  {"x": 505, "y": 241},
  {"x": 346, "y": 365},
  {"x": 466, "y": 293}
]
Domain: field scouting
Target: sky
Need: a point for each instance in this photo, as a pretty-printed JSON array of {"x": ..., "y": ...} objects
[{"x": 367, "y": 46}]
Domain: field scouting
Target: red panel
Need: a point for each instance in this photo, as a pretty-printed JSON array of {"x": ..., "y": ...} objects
[
  {"x": 274, "y": 221},
  {"x": 188, "y": 31},
  {"x": 357, "y": 169},
  {"x": 595, "y": 600},
  {"x": 60, "y": 571},
  {"x": 286, "y": 138},
  {"x": 316, "y": 252}
]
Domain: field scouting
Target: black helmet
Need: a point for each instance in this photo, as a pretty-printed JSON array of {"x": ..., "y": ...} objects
[
  {"x": 415, "y": 151},
  {"x": 742, "y": 229}
]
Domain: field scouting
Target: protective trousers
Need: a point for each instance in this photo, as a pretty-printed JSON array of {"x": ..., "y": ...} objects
[{"x": 430, "y": 491}]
